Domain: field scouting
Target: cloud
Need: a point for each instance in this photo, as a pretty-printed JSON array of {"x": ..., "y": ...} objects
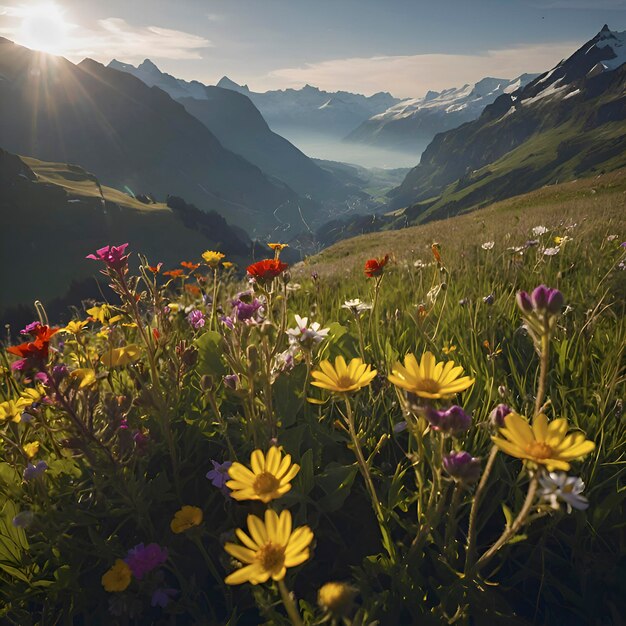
[
  {"x": 413, "y": 75},
  {"x": 110, "y": 37}
]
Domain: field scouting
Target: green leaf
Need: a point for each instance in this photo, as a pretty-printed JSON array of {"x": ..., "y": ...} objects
[
  {"x": 336, "y": 482},
  {"x": 210, "y": 351},
  {"x": 305, "y": 479}
]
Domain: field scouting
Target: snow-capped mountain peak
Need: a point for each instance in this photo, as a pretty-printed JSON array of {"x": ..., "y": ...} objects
[{"x": 616, "y": 42}]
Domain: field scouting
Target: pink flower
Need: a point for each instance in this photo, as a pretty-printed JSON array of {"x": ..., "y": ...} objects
[
  {"x": 113, "y": 256},
  {"x": 143, "y": 559}
]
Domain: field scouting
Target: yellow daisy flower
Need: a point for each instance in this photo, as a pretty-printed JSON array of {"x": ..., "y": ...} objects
[
  {"x": 186, "y": 518},
  {"x": 270, "y": 548},
  {"x": 277, "y": 248},
  {"x": 31, "y": 395},
  {"x": 103, "y": 314},
  {"x": 429, "y": 379},
  {"x": 227, "y": 265},
  {"x": 86, "y": 375},
  {"x": 117, "y": 578},
  {"x": 343, "y": 378},
  {"x": 269, "y": 478},
  {"x": 212, "y": 258},
  {"x": 121, "y": 356},
  {"x": 31, "y": 449},
  {"x": 75, "y": 327},
  {"x": 543, "y": 443},
  {"x": 12, "y": 410}
]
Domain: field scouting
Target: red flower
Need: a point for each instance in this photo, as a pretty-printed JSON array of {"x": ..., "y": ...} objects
[
  {"x": 33, "y": 353},
  {"x": 375, "y": 267},
  {"x": 267, "y": 269}
]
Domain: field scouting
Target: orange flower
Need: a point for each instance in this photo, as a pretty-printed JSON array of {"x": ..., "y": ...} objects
[
  {"x": 193, "y": 290},
  {"x": 174, "y": 273},
  {"x": 435, "y": 249},
  {"x": 267, "y": 269},
  {"x": 375, "y": 267},
  {"x": 155, "y": 269},
  {"x": 189, "y": 265}
]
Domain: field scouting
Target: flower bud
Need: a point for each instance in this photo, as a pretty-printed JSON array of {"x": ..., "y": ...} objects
[
  {"x": 539, "y": 297},
  {"x": 555, "y": 302},
  {"x": 524, "y": 302},
  {"x": 336, "y": 598},
  {"x": 453, "y": 421},
  {"x": 496, "y": 417},
  {"x": 231, "y": 381},
  {"x": 462, "y": 466}
]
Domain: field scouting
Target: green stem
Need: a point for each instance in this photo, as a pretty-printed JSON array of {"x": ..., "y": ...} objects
[
  {"x": 369, "y": 483},
  {"x": 543, "y": 370},
  {"x": 471, "y": 532},
  {"x": 515, "y": 526},
  {"x": 290, "y": 605},
  {"x": 449, "y": 538}
]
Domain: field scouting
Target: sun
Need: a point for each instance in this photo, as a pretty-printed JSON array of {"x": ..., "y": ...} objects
[{"x": 44, "y": 28}]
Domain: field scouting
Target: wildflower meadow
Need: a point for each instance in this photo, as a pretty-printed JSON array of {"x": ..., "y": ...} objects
[{"x": 433, "y": 438}]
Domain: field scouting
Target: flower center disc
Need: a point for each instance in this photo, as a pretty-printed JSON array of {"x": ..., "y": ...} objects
[
  {"x": 266, "y": 483},
  {"x": 343, "y": 382},
  {"x": 271, "y": 557},
  {"x": 429, "y": 385},
  {"x": 539, "y": 450}
]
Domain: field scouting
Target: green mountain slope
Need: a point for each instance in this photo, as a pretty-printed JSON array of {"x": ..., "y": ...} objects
[
  {"x": 130, "y": 134},
  {"x": 567, "y": 123},
  {"x": 53, "y": 214},
  {"x": 590, "y": 204}
]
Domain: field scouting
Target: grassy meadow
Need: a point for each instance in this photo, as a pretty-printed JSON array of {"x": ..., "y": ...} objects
[{"x": 145, "y": 476}]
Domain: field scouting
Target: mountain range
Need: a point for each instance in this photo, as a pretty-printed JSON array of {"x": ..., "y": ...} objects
[
  {"x": 309, "y": 109},
  {"x": 236, "y": 122},
  {"x": 568, "y": 122},
  {"x": 132, "y": 137},
  {"x": 410, "y": 125}
]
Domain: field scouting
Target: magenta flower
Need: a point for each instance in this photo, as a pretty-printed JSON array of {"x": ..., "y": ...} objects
[
  {"x": 452, "y": 421},
  {"x": 113, "y": 256},
  {"x": 143, "y": 559}
]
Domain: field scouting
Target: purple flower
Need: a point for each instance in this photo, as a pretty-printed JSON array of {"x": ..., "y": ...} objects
[
  {"x": 219, "y": 475},
  {"x": 316, "y": 276},
  {"x": 231, "y": 381},
  {"x": 143, "y": 559},
  {"x": 543, "y": 299},
  {"x": 34, "y": 471},
  {"x": 113, "y": 256},
  {"x": 229, "y": 322},
  {"x": 496, "y": 417},
  {"x": 490, "y": 299},
  {"x": 196, "y": 319},
  {"x": 462, "y": 466},
  {"x": 452, "y": 421},
  {"x": 246, "y": 310},
  {"x": 400, "y": 427},
  {"x": 141, "y": 440},
  {"x": 161, "y": 597}
]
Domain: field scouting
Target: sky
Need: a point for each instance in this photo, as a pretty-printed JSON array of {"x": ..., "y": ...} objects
[{"x": 406, "y": 47}]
